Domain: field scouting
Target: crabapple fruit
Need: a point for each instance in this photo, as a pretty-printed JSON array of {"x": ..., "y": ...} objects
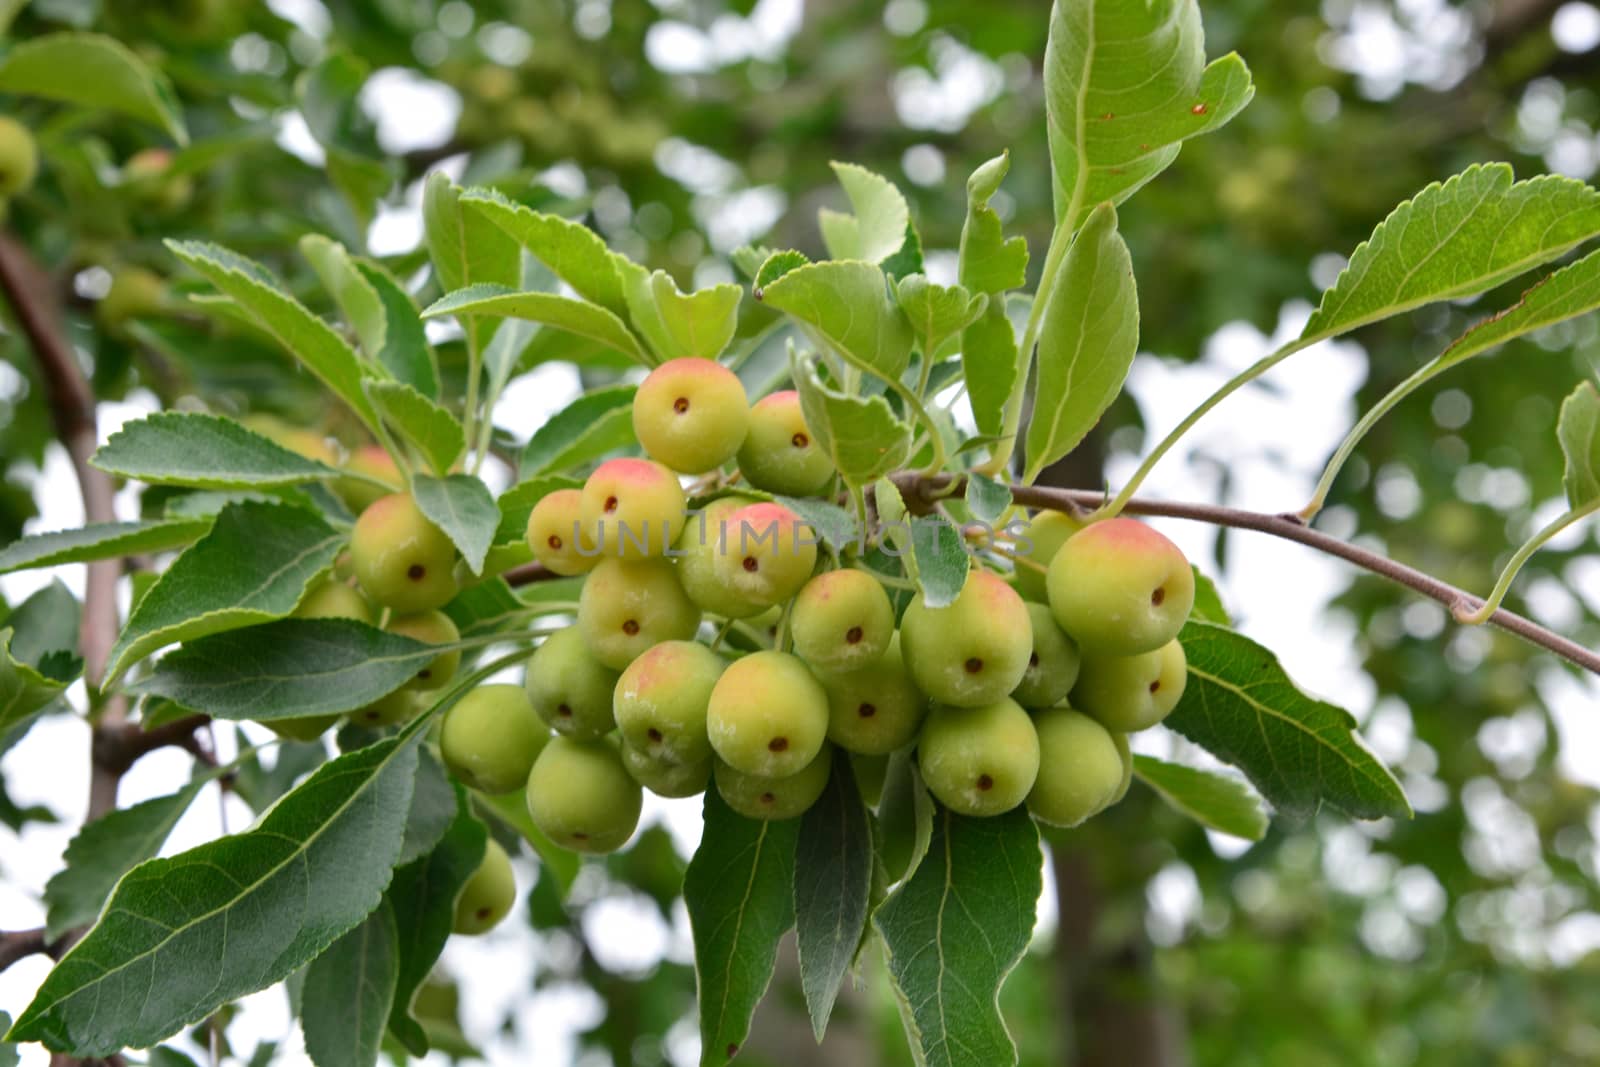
[
  {"x": 491, "y": 737},
  {"x": 628, "y": 606},
  {"x": 632, "y": 508},
  {"x": 779, "y": 453},
  {"x": 1120, "y": 588},
  {"x": 1131, "y": 693},
  {"x": 765, "y": 553},
  {"x": 665, "y": 778},
  {"x": 489, "y": 894},
  {"x": 661, "y": 699},
  {"x": 876, "y": 709},
  {"x": 975, "y": 650},
  {"x": 756, "y": 797},
  {"x": 768, "y": 715},
  {"x": 1052, "y": 666},
  {"x": 431, "y": 628},
  {"x": 691, "y": 414},
  {"x": 696, "y": 553},
  {"x": 1080, "y": 769},
  {"x": 841, "y": 621},
  {"x": 569, "y": 689},
  {"x": 373, "y": 461},
  {"x": 555, "y": 533},
  {"x": 1046, "y": 531},
  {"x": 582, "y": 797},
  {"x": 979, "y": 761},
  {"x": 19, "y": 157},
  {"x": 402, "y": 560}
]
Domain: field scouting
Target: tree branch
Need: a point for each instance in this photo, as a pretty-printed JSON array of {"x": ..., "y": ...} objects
[
  {"x": 72, "y": 407},
  {"x": 529, "y": 573},
  {"x": 20, "y": 944},
  {"x": 921, "y": 492}
]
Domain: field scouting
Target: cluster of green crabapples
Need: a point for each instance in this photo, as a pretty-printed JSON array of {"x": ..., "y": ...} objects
[{"x": 1020, "y": 691}]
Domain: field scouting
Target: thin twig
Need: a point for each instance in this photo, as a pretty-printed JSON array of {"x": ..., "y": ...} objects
[
  {"x": 919, "y": 492},
  {"x": 72, "y": 406},
  {"x": 529, "y": 573}
]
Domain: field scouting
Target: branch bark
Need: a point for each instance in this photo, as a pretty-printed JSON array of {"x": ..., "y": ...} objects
[
  {"x": 29, "y": 290},
  {"x": 20, "y": 944},
  {"x": 921, "y": 491}
]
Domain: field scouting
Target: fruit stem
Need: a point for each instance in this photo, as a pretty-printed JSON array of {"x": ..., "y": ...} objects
[
  {"x": 1360, "y": 430},
  {"x": 1289, "y": 527},
  {"x": 1232, "y": 385},
  {"x": 1468, "y": 616}
]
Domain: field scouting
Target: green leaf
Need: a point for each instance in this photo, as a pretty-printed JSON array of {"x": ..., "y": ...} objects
[
  {"x": 877, "y": 228},
  {"x": 433, "y": 808},
  {"x": 518, "y": 502},
  {"x": 1300, "y": 753},
  {"x": 46, "y": 623},
  {"x": 954, "y": 930},
  {"x": 406, "y": 353},
  {"x": 861, "y": 435},
  {"x": 1087, "y": 340},
  {"x": 905, "y": 818},
  {"x": 305, "y": 336},
  {"x": 207, "y": 451},
  {"x": 1124, "y": 86},
  {"x": 349, "y": 992},
  {"x": 254, "y": 908},
  {"x": 989, "y": 365},
  {"x": 329, "y": 95},
  {"x": 1572, "y": 291},
  {"x": 96, "y": 71},
  {"x": 8, "y": 1051},
  {"x": 562, "y": 312},
  {"x": 423, "y": 896},
  {"x": 740, "y": 896},
  {"x": 989, "y": 261},
  {"x": 837, "y": 528},
  {"x": 774, "y": 267},
  {"x": 847, "y": 304},
  {"x": 464, "y": 509},
  {"x": 586, "y": 429},
  {"x": 253, "y": 566},
  {"x": 679, "y": 325},
  {"x": 832, "y": 879},
  {"x": 1208, "y": 605},
  {"x": 573, "y": 252},
  {"x": 940, "y": 559},
  {"x": 25, "y": 689},
  {"x": 287, "y": 669},
  {"x": 1212, "y": 800},
  {"x": 350, "y": 289},
  {"x": 466, "y": 248},
  {"x": 987, "y": 498},
  {"x": 100, "y": 540},
  {"x": 1578, "y": 430},
  {"x": 1455, "y": 239},
  {"x": 435, "y": 432},
  {"x": 936, "y": 312},
  {"x": 108, "y": 848}
]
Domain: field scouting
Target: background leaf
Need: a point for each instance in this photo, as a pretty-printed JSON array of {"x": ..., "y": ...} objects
[
  {"x": 1087, "y": 340},
  {"x": 100, "y": 540},
  {"x": 287, "y": 669},
  {"x": 1124, "y": 86},
  {"x": 954, "y": 930},
  {"x": 1578, "y": 429},
  {"x": 92, "y": 70},
  {"x": 208, "y": 451},
  {"x": 464, "y": 509},
  {"x": 1454, "y": 239},
  {"x": 349, "y": 991},
  {"x": 1212, "y": 800},
  {"x": 847, "y": 305},
  {"x": 255, "y": 907},
  {"x": 739, "y": 891},
  {"x": 1300, "y": 753},
  {"x": 24, "y": 689},
  {"x": 596, "y": 423},
  {"x": 423, "y": 898},
  {"x": 253, "y": 566},
  {"x": 832, "y": 879}
]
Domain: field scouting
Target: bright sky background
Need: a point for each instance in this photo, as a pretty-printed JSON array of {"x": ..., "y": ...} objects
[{"x": 1293, "y": 426}]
